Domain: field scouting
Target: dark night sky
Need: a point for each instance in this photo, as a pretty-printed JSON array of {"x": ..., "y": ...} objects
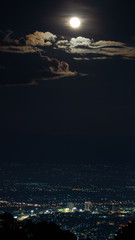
[{"x": 59, "y": 84}]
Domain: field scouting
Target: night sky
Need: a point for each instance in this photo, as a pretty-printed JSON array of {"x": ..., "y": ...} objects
[{"x": 67, "y": 94}]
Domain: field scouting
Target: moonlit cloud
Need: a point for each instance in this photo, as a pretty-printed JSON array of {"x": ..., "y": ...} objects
[
  {"x": 75, "y": 43},
  {"x": 48, "y": 56},
  {"x": 37, "y": 41},
  {"x": 99, "y": 58},
  {"x": 81, "y": 59},
  {"x": 29, "y": 66},
  {"x": 40, "y": 39},
  {"x": 56, "y": 67},
  {"x": 103, "y": 43},
  {"x": 19, "y": 49},
  {"x": 101, "y": 49},
  {"x": 63, "y": 44},
  {"x": 80, "y": 42}
]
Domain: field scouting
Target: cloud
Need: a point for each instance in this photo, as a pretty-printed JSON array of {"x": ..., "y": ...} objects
[
  {"x": 34, "y": 39},
  {"x": 103, "y": 43},
  {"x": 30, "y": 68},
  {"x": 40, "y": 39},
  {"x": 75, "y": 43},
  {"x": 30, "y": 60},
  {"x": 92, "y": 58},
  {"x": 27, "y": 44},
  {"x": 57, "y": 69},
  {"x": 99, "y": 58},
  {"x": 63, "y": 44},
  {"x": 81, "y": 59},
  {"x": 6, "y": 37},
  {"x": 82, "y": 45},
  {"x": 101, "y": 49},
  {"x": 31, "y": 83},
  {"x": 19, "y": 49},
  {"x": 27, "y": 66},
  {"x": 80, "y": 42}
]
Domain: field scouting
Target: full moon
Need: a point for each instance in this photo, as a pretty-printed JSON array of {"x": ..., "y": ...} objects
[{"x": 75, "y": 22}]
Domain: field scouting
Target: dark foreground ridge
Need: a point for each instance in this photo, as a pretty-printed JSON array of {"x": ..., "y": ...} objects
[
  {"x": 126, "y": 232},
  {"x": 13, "y": 229}
]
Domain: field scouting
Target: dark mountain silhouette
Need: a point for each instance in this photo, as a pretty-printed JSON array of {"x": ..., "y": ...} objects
[
  {"x": 126, "y": 232},
  {"x": 12, "y": 229}
]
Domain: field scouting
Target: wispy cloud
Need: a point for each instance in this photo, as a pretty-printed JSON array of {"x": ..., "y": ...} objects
[
  {"x": 31, "y": 83},
  {"x": 81, "y": 58},
  {"x": 19, "y": 49},
  {"x": 6, "y": 37}
]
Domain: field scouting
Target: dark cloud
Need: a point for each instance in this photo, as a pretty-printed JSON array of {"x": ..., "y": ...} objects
[
  {"x": 29, "y": 68},
  {"x": 57, "y": 67},
  {"x": 6, "y": 37},
  {"x": 2, "y": 68}
]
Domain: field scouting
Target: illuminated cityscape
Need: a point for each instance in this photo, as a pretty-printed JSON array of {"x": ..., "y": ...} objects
[{"x": 87, "y": 207}]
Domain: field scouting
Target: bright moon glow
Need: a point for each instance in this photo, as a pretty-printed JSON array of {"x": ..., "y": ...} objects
[{"x": 75, "y": 22}]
